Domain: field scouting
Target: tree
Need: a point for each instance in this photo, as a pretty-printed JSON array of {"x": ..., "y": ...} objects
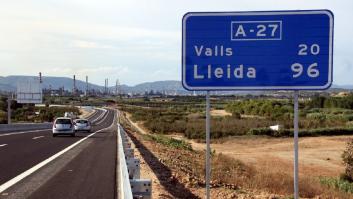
[{"x": 347, "y": 157}]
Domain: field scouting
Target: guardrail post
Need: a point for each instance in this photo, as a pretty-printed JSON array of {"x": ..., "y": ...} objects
[
  {"x": 141, "y": 188},
  {"x": 133, "y": 167},
  {"x": 129, "y": 153}
]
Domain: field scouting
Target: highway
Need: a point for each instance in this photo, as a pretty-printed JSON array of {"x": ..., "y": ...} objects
[{"x": 33, "y": 164}]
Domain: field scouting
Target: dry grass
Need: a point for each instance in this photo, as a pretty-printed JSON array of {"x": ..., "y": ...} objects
[
  {"x": 220, "y": 113},
  {"x": 272, "y": 178}
]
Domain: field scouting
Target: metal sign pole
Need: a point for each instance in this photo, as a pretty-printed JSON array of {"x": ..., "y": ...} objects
[
  {"x": 296, "y": 129},
  {"x": 208, "y": 149}
]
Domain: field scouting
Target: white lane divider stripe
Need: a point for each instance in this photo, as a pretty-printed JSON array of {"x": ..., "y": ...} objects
[
  {"x": 38, "y": 137},
  {"x": 18, "y": 178},
  {"x": 100, "y": 117},
  {"x": 1, "y": 145}
]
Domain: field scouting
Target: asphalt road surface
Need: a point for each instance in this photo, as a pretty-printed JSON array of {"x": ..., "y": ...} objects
[{"x": 33, "y": 164}]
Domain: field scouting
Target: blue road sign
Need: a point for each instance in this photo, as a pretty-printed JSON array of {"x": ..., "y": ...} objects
[{"x": 278, "y": 50}]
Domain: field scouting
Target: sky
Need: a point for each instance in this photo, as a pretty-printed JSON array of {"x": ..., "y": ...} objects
[{"x": 134, "y": 41}]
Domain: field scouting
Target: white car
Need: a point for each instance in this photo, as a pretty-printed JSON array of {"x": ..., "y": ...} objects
[
  {"x": 70, "y": 115},
  {"x": 63, "y": 126},
  {"x": 82, "y": 125}
]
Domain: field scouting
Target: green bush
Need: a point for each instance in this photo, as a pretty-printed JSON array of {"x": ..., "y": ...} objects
[
  {"x": 3, "y": 117},
  {"x": 332, "y": 102},
  {"x": 171, "y": 142},
  {"x": 269, "y": 108},
  {"x": 337, "y": 183},
  {"x": 223, "y": 127},
  {"x": 316, "y": 116},
  {"x": 189, "y": 119},
  {"x": 302, "y": 132},
  {"x": 347, "y": 157}
]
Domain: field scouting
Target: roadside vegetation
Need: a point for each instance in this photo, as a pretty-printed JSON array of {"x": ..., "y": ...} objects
[
  {"x": 31, "y": 113},
  {"x": 41, "y": 114},
  {"x": 3, "y": 109},
  {"x": 318, "y": 116},
  {"x": 233, "y": 177},
  {"x": 81, "y": 101},
  {"x": 343, "y": 183}
]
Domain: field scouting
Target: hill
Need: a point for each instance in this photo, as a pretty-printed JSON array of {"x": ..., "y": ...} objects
[{"x": 9, "y": 83}]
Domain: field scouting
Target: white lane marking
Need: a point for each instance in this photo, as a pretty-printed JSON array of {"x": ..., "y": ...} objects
[
  {"x": 23, "y": 132},
  {"x": 38, "y": 137},
  {"x": 18, "y": 178},
  {"x": 93, "y": 114},
  {"x": 101, "y": 116},
  {"x": 1, "y": 145},
  {"x": 102, "y": 120}
]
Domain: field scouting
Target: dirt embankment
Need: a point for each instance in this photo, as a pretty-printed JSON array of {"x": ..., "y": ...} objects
[
  {"x": 271, "y": 157},
  {"x": 179, "y": 173},
  {"x": 318, "y": 156}
]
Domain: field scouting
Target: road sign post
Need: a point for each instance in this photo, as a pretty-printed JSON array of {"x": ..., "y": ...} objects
[
  {"x": 271, "y": 50},
  {"x": 296, "y": 154},
  {"x": 208, "y": 148}
]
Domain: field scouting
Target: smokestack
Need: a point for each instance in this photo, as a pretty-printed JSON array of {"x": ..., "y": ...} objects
[
  {"x": 107, "y": 87},
  {"x": 74, "y": 88},
  {"x": 86, "y": 93},
  {"x": 117, "y": 87},
  {"x": 40, "y": 78}
]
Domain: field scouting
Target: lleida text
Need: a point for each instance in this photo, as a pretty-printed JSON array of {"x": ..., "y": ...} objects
[{"x": 228, "y": 71}]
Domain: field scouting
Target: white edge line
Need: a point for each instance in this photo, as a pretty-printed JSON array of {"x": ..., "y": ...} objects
[
  {"x": 18, "y": 178},
  {"x": 1, "y": 145}
]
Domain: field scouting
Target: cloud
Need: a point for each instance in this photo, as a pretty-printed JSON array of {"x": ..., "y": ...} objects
[
  {"x": 89, "y": 44},
  {"x": 134, "y": 40},
  {"x": 102, "y": 70}
]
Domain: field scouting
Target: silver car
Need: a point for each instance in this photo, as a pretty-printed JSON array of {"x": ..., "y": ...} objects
[
  {"x": 82, "y": 125},
  {"x": 63, "y": 126}
]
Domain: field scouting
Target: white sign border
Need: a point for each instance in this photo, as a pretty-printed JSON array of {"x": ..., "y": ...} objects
[{"x": 324, "y": 87}]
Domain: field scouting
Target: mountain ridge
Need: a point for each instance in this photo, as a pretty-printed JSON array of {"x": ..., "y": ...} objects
[{"x": 9, "y": 83}]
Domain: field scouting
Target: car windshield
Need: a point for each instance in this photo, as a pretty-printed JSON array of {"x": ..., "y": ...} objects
[
  {"x": 63, "y": 121},
  {"x": 81, "y": 121}
]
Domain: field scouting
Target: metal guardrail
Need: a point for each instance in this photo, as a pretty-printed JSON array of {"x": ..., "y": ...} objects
[
  {"x": 24, "y": 126},
  {"x": 130, "y": 184}
]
